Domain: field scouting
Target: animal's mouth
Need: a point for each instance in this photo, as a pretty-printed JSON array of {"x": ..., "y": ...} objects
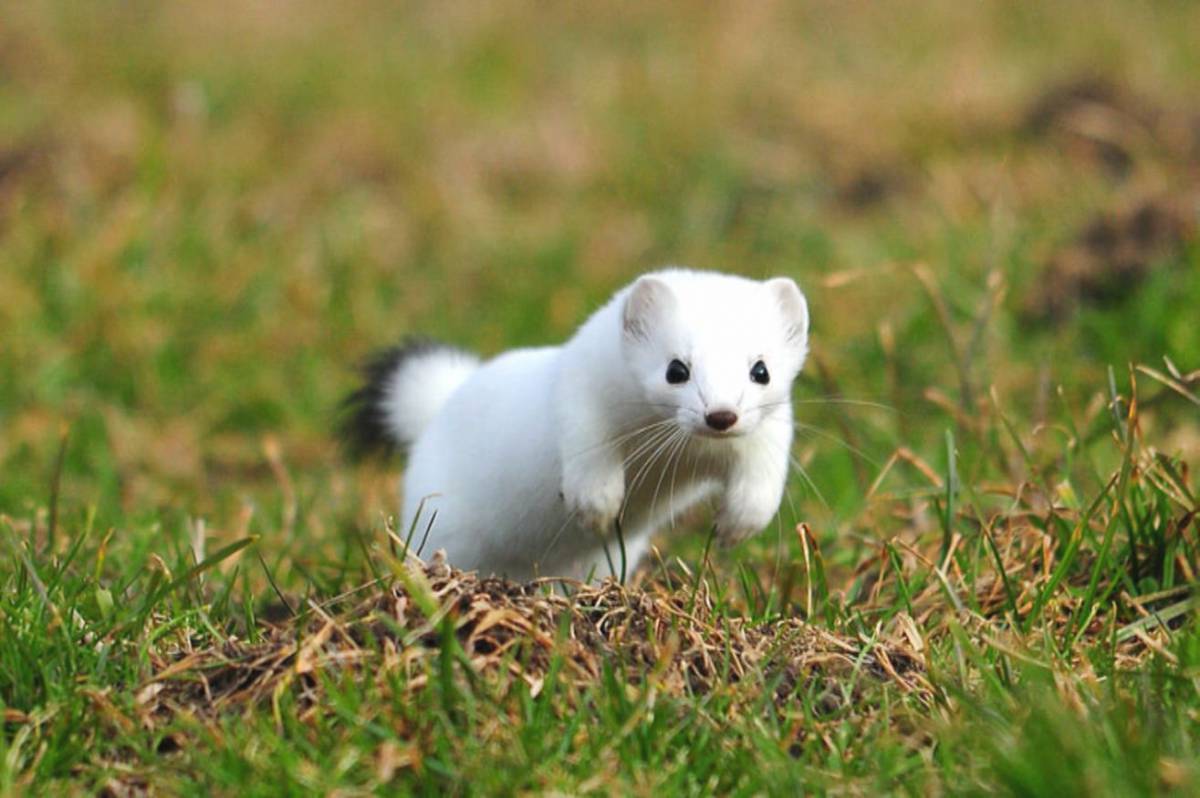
[{"x": 716, "y": 435}]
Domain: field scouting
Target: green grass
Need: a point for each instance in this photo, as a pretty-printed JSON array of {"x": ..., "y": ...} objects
[{"x": 209, "y": 213}]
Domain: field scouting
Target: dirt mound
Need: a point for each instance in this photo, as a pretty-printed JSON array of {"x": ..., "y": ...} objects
[
  {"x": 1096, "y": 120},
  {"x": 1112, "y": 254},
  {"x": 673, "y": 638}
]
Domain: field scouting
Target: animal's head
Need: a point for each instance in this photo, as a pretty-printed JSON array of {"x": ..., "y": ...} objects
[{"x": 715, "y": 352}]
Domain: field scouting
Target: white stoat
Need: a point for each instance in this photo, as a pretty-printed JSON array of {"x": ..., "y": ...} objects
[{"x": 677, "y": 390}]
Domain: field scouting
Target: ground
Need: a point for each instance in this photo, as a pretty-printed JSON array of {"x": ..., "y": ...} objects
[{"x": 980, "y": 580}]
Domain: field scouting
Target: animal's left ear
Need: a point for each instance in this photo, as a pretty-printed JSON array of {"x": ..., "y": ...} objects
[{"x": 793, "y": 307}]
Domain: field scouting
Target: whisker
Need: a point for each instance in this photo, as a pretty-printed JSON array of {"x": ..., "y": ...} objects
[
  {"x": 657, "y": 431},
  {"x": 801, "y": 426},
  {"x": 835, "y": 439},
  {"x": 646, "y": 467},
  {"x": 661, "y": 445},
  {"x": 771, "y": 405},
  {"x": 635, "y": 484},
  {"x": 828, "y": 400},
  {"x": 836, "y": 400},
  {"x": 639, "y": 403},
  {"x": 791, "y": 505},
  {"x": 788, "y": 494},
  {"x": 554, "y": 538},
  {"x": 622, "y": 438},
  {"x": 674, "y": 472},
  {"x": 676, "y": 445},
  {"x": 803, "y": 473},
  {"x": 658, "y": 437}
]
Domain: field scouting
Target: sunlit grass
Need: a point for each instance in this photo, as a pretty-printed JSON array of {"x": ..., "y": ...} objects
[{"x": 210, "y": 212}]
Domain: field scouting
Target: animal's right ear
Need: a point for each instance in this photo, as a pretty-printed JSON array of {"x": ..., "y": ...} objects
[
  {"x": 793, "y": 306},
  {"x": 648, "y": 302}
]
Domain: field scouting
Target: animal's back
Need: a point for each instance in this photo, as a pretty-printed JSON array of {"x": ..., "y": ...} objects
[{"x": 488, "y": 467}]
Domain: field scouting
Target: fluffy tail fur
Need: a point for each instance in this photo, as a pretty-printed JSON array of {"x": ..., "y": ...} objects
[{"x": 404, "y": 388}]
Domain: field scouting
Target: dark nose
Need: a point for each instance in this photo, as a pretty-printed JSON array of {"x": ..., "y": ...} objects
[{"x": 721, "y": 420}]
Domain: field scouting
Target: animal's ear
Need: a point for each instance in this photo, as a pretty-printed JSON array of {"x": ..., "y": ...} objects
[
  {"x": 648, "y": 302},
  {"x": 793, "y": 307}
]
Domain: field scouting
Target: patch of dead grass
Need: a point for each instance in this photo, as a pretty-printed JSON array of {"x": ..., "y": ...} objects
[{"x": 673, "y": 640}]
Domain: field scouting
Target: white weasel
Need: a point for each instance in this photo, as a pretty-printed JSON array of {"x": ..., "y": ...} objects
[{"x": 677, "y": 390}]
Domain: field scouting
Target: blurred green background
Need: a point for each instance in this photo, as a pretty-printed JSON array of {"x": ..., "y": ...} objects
[{"x": 210, "y": 212}]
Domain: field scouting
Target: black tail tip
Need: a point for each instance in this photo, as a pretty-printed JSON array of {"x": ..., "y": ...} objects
[{"x": 362, "y": 424}]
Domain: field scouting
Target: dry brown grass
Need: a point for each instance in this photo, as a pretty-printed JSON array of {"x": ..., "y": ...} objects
[{"x": 671, "y": 640}]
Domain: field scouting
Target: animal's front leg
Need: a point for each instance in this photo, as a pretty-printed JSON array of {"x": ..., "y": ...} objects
[
  {"x": 593, "y": 476},
  {"x": 753, "y": 490}
]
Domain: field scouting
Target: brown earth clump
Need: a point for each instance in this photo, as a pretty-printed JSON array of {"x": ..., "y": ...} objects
[
  {"x": 1094, "y": 119},
  {"x": 1097, "y": 121},
  {"x": 672, "y": 640},
  {"x": 1112, "y": 255}
]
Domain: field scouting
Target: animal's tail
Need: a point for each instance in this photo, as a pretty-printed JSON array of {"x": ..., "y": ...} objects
[{"x": 404, "y": 388}]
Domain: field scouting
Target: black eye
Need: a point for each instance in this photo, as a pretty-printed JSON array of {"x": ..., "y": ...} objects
[
  {"x": 760, "y": 374},
  {"x": 677, "y": 372}
]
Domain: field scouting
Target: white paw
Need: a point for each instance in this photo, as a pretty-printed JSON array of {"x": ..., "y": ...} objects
[
  {"x": 594, "y": 501},
  {"x": 736, "y": 522}
]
